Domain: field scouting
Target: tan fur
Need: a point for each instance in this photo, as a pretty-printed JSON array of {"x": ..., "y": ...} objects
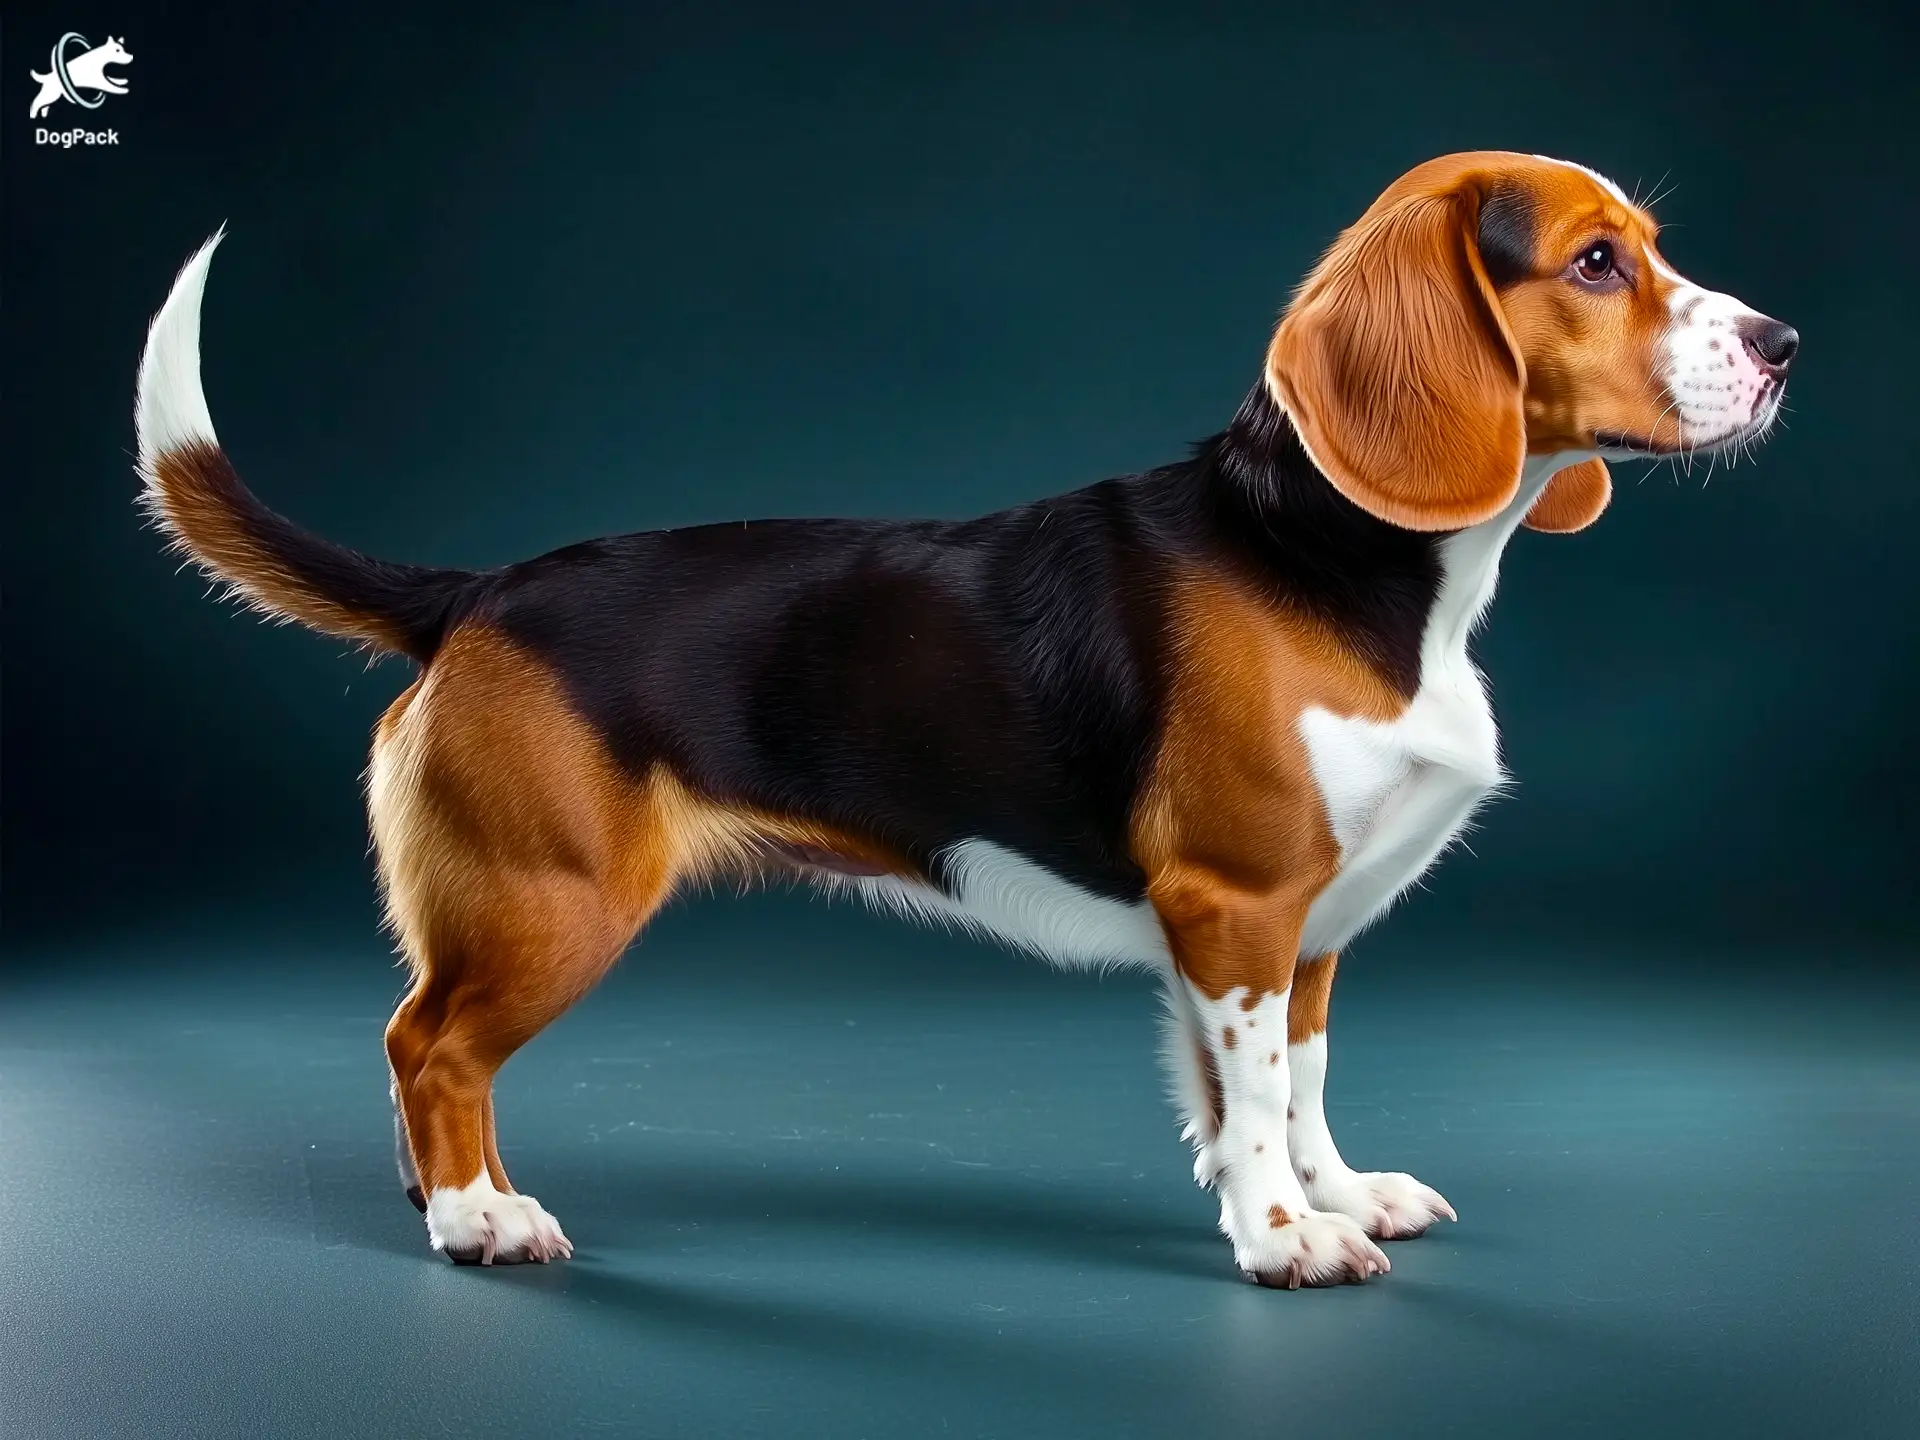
[
  {"x": 1418, "y": 389},
  {"x": 1396, "y": 365},
  {"x": 1231, "y": 829},
  {"x": 1312, "y": 995},
  {"x": 190, "y": 494},
  {"x": 1591, "y": 358},
  {"x": 1573, "y": 499},
  {"x": 518, "y": 862}
]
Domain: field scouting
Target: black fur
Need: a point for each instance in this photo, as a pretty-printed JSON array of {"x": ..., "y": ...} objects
[
  {"x": 1271, "y": 508},
  {"x": 415, "y": 605},
  {"x": 920, "y": 683},
  {"x": 1506, "y": 234}
]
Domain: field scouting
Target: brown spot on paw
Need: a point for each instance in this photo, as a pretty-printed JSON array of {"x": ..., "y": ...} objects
[
  {"x": 1277, "y": 1217},
  {"x": 1228, "y": 1038}
]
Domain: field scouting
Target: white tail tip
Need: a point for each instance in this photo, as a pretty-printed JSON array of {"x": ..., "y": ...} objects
[{"x": 171, "y": 409}]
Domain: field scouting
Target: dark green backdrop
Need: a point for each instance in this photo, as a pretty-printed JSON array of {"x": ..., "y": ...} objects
[{"x": 500, "y": 280}]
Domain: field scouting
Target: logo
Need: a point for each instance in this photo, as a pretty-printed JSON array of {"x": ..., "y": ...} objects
[{"x": 72, "y": 73}]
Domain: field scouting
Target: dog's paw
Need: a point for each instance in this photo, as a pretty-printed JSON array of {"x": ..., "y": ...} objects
[
  {"x": 1315, "y": 1248},
  {"x": 1387, "y": 1204},
  {"x": 479, "y": 1225}
]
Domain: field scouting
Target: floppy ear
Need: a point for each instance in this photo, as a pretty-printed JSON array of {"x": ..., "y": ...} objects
[
  {"x": 1399, "y": 371},
  {"x": 1573, "y": 499}
]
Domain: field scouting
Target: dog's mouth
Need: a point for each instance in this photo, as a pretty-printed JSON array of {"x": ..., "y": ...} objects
[
  {"x": 1618, "y": 443},
  {"x": 1624, "y": 445}
]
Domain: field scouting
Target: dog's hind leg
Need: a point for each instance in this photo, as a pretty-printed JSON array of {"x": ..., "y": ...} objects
[
  {"x": 480, "y": 997},
  {"x": 403, "y": 1153},
  {"x": 518, "y": 861}
]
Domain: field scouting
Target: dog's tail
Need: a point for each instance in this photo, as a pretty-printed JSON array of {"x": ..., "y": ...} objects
[{"x": 194, "y": 495}]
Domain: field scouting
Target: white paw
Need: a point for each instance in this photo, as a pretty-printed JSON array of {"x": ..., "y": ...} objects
[
  {"x": 1390, "y": 1206},
  {"x": 477, "y": 1224},
  {"x": 1315, "y": 1248}
]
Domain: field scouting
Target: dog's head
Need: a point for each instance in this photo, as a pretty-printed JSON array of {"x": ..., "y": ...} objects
[
  {"x": 113, "y": 53},
  {"x": 1492, "y": 306}
]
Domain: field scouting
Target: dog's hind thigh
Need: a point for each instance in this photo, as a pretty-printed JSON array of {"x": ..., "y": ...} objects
[{"x": 518, "y": 862}]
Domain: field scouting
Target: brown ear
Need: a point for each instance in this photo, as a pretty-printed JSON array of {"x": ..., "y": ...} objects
[
  {"x": 1573, "y": 499},
  {"x": 1398, "y": 370}
]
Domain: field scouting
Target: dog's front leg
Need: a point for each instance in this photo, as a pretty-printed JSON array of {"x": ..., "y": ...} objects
[
  {"x": 1390, "y": 1204},
  {"x": 1233, "y": 956}
]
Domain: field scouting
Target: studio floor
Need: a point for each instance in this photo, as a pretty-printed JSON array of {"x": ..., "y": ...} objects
[{"x": 830, "y": 1176}]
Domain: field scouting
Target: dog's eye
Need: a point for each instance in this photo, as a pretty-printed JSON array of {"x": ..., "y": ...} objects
[{"x": 1595, "y": 263}]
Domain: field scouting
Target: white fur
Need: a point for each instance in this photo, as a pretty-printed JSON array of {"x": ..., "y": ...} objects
[
  {"x": 498, "y": 1227},
  {"x": 171, "y": 408},
  {"x": 1264, "y": 1210},
  {"x": 1398, "y": 793},
  {"x": 1309, "y": 1142},
  {"x": 1000, "y": 894},
  {"x": 1594, "y": 175},
  {"x": 1719, "y": 391},
  {"x": 1386, "y": 1204},
  {"x": 1182, "y": 1063}
]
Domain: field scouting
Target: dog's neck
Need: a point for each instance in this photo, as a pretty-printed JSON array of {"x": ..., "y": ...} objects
[
  {"x": 1271, "y": 505},
  {"x": 1273, "y": 511}
]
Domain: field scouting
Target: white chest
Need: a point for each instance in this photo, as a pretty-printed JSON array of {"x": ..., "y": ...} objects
[{"x": 1398, "y": 793}]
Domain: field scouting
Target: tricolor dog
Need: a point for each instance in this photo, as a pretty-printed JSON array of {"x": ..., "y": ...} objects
[{"x": 1210, "y": 719}]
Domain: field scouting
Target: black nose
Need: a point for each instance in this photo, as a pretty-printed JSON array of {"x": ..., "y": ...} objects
[{"x": 1770, "y": 343}]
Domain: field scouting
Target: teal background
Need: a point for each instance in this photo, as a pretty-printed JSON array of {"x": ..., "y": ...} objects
[
  {"x": 504, "y": 279},
  {"x": 499, "y": 278}
]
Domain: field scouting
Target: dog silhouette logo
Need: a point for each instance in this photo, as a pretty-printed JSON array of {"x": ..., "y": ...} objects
[{"x": 69, "y": 74}]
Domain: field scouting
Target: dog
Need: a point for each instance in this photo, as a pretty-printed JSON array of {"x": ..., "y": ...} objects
[
  {"x": 87, "y": 71},
  {"x": 1211, "y": 719}
]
